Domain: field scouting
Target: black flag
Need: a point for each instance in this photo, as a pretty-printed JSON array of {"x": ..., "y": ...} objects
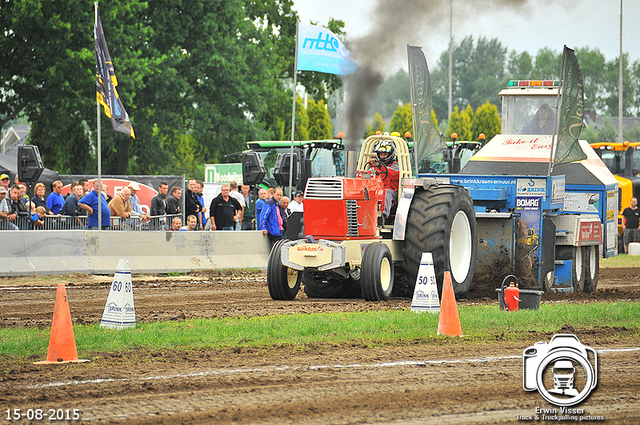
[{"x": 106, "y": 83}]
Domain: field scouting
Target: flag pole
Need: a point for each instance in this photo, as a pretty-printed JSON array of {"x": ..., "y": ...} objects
[
  {"x": 554, "y": 137},
  {"x": 413, "y": 112},
  {"x": 99, "y": 138},
  {"x": 293, "y": 114}
]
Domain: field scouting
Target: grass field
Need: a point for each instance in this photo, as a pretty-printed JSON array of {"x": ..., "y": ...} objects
[
  {"x": 622, "y": 260},
  {"x": 479, "y": 323}
]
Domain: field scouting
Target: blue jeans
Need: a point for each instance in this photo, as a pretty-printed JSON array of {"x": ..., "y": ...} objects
[{"x": 229, "y": 228}]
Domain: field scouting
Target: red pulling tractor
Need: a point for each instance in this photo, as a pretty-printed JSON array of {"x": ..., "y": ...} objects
[{"x": 350, "y": 250}]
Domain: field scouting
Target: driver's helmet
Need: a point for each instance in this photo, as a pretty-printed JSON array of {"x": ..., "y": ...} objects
[{"x": 386, "y": 146}]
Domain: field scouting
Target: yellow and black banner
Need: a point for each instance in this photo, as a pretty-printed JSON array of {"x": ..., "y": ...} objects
[{"x": 106, "y": 83}]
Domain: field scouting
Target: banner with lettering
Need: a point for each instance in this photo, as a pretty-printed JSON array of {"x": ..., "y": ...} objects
[
  {"x": 427, "y": 140},
  {"x": 321, "y": 50},
  {"x": 571, "y": 112}
]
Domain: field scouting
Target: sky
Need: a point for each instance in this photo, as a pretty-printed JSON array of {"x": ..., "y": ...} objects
[{"x": 523, "y": 25}]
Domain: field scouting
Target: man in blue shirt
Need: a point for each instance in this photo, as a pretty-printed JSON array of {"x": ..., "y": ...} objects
[
  {"x": 271, "y": 220},
  {"x": 70, "y": 206},
  {"x": 202, "y": 218},
  {"x": 55, "y": 200},
  {"x": 89, "y": 202},
  {"x": 262, "y": 196}
]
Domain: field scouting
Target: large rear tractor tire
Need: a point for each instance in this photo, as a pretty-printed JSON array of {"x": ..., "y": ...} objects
[
  {"x": 442, "y": 221},
  {"x": 376, "y": 281},
  {"x": 283, "y": 282},
  {"x": 591, "y": 256}
]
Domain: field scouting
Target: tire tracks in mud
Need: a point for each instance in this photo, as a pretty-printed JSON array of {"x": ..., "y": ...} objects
[{"x": 485, "y": 389}]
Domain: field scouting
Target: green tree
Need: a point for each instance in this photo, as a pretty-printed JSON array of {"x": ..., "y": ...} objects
[
  {"x": 632, "y": 135},
  {"x": 393, "y": 91},
  {"x": 520, "y": 66},
  {"x": 611, "y": 91},
  {"x": 635, "y": 77},
  {"x": 547, "y": 65},
  {"x": 377, "y": 124},
  {"x": 486, "y": 121},
  {"x": 401, "y": 120},
  {"x": 605, "y": 133},
  {"x": 219, "y": 88},
  {"x": 46, "y": 75},
  {"x": 319, "y": 120},
  {"x": 478, "y": 74},
  {"x": 455, "y": 124},
  {"x": 592, "y": 62},
  {"x": 302, "y": 122},
  {"x": 468, "y": 117}
]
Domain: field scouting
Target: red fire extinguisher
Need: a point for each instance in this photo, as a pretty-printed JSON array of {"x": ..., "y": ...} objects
[{"x": 511, "y": 294}]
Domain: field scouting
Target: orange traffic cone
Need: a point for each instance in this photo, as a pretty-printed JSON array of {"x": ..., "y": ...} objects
[
  {"x": 449, "y": 321},
  {"x": 62, "y": 343}
]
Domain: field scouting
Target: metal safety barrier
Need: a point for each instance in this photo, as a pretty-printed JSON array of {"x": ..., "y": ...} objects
[
  {"x": 66, "y": 222},
  {"x": 26, "y": 252}
]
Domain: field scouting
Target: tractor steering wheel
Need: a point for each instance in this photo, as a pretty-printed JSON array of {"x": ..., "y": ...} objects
[{"x": 383, "y": 172}]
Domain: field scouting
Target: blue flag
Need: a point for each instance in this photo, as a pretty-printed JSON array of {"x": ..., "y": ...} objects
[{"x": 320, "y": 50}]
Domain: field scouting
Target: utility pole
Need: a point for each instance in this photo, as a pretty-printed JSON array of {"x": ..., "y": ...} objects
[
  {"x": 620, "y": 80},
  {"x": 451, "y": 58}
]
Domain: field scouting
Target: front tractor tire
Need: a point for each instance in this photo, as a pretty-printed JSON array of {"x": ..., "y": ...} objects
[
  {"x": 283, "y": 282},
  {"x": 442, "y": 221},
  {"x": 376, "y": 280}
]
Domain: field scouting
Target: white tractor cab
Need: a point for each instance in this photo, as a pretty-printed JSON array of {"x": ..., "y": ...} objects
[{"x": 348, "y": 251}]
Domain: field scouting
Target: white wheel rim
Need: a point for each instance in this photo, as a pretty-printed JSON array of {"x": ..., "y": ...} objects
[
  {"x": 593, "y": 253},
  {"x": 460, "y": 247},
  {"x": 578, "y": 266},
  {"x": 385, "y": 274},
  {"x": 292, "y": 278}
]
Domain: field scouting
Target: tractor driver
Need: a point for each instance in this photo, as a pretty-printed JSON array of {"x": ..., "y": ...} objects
[
  {"x": 542, "y": 122},
  {"x": 386, "y": 165}
]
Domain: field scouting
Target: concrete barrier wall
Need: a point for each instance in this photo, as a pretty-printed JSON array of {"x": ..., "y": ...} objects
[{"x": 97, "y": 252}]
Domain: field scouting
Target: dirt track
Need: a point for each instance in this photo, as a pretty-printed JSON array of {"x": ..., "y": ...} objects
[{"x": 432, "y": 381}]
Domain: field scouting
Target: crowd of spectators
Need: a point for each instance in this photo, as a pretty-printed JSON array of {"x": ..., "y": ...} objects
[{"x": 232, "y": 209}]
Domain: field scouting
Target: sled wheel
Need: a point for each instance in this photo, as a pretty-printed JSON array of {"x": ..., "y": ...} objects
[{"x": 283, "y": 282}]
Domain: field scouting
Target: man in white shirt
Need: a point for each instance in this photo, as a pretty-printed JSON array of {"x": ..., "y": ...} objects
[
  {"x": 296, "y": 204},
  {"x": 240, "y": 198}
]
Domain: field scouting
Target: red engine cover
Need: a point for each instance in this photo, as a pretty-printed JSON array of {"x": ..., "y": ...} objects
[{"x": 327, "y": 218}]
